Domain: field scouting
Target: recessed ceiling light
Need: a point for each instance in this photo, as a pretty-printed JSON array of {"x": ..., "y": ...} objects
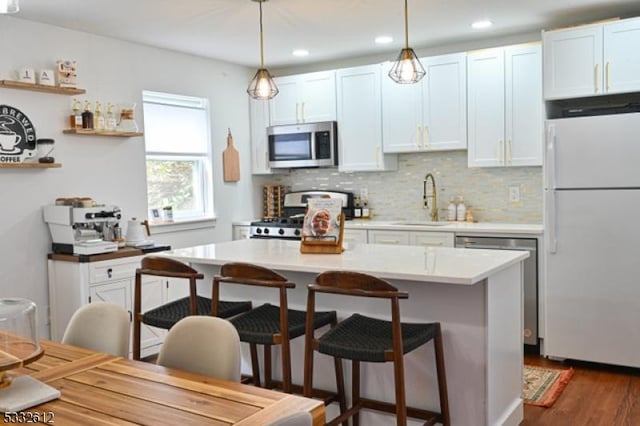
[
  {"x": 383, "y": 39},
  {"x": 300, "y": 52},
  {"x": 481, "y": 25}
]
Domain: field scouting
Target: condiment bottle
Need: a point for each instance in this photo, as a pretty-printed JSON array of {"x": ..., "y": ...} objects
[
  {"x": 461, "y": 210},
  {"x": 111, "y": 122},
  {"x": 357, "y": 210},
  {"x": 87, "y": 116},
  {"x": 75, "y": 119},
  {"x": 451, "y": 210},
  {"x": 98, "y": 118},
  {"x": 366, "y": 214}
]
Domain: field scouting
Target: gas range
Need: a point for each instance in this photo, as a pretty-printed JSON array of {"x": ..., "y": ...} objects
[{"x": 289, "y": 227}]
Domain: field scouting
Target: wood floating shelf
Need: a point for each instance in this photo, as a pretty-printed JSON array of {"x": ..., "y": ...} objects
[
  {"x": 91, "y": 132},
  {"x": 10, "y": 84},
  {"x": 30, "y": 165}
]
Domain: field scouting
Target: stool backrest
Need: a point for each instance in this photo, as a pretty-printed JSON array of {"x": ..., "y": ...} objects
[
  {"x": 248, "y": 274},
  {"x": 355, "y": 284},
  {"x": 165, "y": 267}
]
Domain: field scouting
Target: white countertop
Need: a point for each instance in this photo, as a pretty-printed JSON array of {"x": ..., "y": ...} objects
[
  {"x": 460, "y": 228},
  {"x": 428, "y": 264},
  {"x": 457, "y": 227}
]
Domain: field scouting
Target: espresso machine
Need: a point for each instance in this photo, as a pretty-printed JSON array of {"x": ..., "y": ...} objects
[{"x": 83, "y": 230}]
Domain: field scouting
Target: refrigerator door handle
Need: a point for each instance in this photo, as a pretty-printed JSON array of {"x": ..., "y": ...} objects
[
  {"x": 550, "y": 226},
  {"x": 550, "y": 160},
  {"x": 550, "y": 185}
]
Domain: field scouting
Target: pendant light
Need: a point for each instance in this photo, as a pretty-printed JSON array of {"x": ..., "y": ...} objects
[
  {"x": 407, "y": 69},
  {"x": 262, "y": 87},
  {"x": 9, "y": 6}
]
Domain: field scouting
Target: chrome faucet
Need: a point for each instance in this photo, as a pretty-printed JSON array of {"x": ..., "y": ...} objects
[{"x": 433, "y": 195}]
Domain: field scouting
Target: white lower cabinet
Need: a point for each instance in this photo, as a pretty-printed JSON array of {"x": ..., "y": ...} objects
[
  {"x": 431, "y": 239},
  {"x": 411, "y": 238},
  {"x": 376, "y": 236},
  {"x": 73, "y": 284},
  {"x": 352, "y": 236},
  {"x": 241, "y": 232}
]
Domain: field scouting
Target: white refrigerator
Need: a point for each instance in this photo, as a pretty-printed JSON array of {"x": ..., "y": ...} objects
[{"x": 592, "y": 239}]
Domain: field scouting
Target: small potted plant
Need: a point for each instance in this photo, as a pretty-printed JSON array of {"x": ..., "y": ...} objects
[{"x": 167, "y": 213}]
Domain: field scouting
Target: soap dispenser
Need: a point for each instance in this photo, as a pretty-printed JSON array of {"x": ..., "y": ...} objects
[
  {"x": 451, "y": 210},
  {"x": 461, "y": 210}
]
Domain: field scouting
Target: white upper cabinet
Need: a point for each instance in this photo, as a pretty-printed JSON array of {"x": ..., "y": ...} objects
[
  {"x": 429, "y": 115},
  {"x": 505, "y": 107},
  {"x": 259, "y": 115},
  {"x": 592, "y": 60},
  {"x": 622, "y": 56},
  {"x": 304, "y": 98},
  {"x": 360, "y": 121}
]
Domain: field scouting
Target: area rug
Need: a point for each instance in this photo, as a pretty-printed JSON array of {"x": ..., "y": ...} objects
[{"x": 542, "y": 386}]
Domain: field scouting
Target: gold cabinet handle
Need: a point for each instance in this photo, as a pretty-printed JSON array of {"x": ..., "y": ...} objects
[
  {"x": 302, "y": 113},
  {"x": 597, "y": 77},
  {"x": 419, "y": 136},
  {"x": 606, "y": 73},
  {"x": 509, "y": 152}
]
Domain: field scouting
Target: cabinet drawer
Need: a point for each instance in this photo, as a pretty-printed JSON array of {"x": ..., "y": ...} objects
[
  {"x": 389, "y": 237},
  {"x": 432, "y": 239},
  {"x": 111, "y": 270}
]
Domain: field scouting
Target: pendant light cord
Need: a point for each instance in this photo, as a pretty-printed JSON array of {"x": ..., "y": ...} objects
[
  {"x": 261, "y": 42},
  {"x": 406, "y": 25}
]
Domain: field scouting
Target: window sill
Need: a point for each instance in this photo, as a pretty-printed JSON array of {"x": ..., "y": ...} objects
[{"x": 161, "y": 227}]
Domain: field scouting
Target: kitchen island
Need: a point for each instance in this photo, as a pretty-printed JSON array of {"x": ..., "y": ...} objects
[{"x": 475, "y": 294}]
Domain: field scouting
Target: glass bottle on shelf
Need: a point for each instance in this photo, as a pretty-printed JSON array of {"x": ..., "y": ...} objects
[
  {"x": 110, "y": 123},
  {"x": 75, "y": 119},
  {"x": 98, "y": 118},
  {"x": 87, "y": 116}
]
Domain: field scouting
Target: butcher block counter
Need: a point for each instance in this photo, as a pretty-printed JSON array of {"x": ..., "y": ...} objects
[{"x": 476, "y": 295}]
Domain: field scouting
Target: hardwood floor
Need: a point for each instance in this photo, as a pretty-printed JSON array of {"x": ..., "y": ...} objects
[{"x": 596, "y": 395}]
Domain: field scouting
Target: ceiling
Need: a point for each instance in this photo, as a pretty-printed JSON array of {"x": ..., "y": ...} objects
[{"x": 329, "y": 29}]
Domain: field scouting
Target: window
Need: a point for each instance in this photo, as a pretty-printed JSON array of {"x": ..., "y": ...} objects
[{"x": 178, "y": 155}]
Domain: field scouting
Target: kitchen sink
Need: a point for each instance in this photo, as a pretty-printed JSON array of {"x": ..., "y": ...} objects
[{"x": 421, "y": 223}]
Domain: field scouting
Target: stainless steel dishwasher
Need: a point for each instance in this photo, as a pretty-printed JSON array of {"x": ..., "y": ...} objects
[{"x": 530, "y": 284}]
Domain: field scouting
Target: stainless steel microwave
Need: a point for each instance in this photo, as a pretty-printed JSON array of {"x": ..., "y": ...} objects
[{"x": 303, "y": 145}]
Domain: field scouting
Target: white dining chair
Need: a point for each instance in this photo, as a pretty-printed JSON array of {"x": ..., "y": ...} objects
[
  {"x": 204, "y": 345},
  {"x": 100, "y": 326},
  {"x": 300, "y": 418}
]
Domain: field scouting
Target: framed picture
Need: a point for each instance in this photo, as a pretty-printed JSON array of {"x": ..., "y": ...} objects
[{"x": 155, "y": 214}]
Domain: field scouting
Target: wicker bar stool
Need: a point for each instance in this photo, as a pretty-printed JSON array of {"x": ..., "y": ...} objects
[
  {"x": 268, "y": 324},
  {"x": 363, "y": 339},
  {"x": 167, "y": 315}
]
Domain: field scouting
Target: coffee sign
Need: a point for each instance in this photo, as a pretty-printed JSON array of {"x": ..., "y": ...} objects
[{"x": 17, "y": 136}]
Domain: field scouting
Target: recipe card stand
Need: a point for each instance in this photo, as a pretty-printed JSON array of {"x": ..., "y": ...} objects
[{"x": 312, "y": 245}]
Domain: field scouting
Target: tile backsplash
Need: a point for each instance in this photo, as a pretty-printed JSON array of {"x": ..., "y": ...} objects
[{"x": 398, "y": 195}]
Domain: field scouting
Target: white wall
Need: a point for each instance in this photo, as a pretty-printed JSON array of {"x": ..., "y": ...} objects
[{"x": 110, "y": 170}]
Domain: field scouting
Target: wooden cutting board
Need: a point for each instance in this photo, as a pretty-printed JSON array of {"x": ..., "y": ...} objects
[{"x": 231, "y": 161}]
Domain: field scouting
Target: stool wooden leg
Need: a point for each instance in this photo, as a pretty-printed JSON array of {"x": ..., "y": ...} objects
[
  {"x": 342, "y": 399},
  {"x": 401, "y": 400},
  {"x": 355, "y": 389},
  {"x": 267, "y": 367},
  {"x": 286, "y": 366},
  {"x": 255, "y": 366},
  {"x": 442, "y": 381}
]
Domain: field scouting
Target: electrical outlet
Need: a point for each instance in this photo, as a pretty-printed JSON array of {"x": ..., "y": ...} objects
[{"x": 514, "y": 194}]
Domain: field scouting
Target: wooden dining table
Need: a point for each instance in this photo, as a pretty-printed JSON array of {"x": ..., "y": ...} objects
[{"x": 101, "y": 389}]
